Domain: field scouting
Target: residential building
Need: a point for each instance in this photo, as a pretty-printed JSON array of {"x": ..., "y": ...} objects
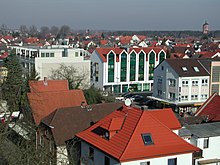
[
  {"x": 133, "y": 136},
  {"x": 184, "y": 82},
  {"x": 207, "y": 137},
  {"x": 58, "y": 127},
  {"x": 48, "y": 58},
  {"x": 125, "y": 69}
]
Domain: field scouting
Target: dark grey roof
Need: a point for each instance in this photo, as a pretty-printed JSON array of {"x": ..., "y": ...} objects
[
  {"x": 178, "y": 64},
  {"x": 66, "y": 122},
  {"x": 201, "y": 130}
]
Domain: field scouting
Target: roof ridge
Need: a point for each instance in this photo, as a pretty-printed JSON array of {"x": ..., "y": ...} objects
[{"x": 132, "y": 134}]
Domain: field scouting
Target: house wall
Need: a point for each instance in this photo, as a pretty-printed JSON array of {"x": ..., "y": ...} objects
[
  {"x": 162, "y": 88},
  {"x": 98, "y": 156},
  {"x": 182, "y": 159},
  {"x": 96, "y": 60},
  {"x": 212, "y": 152}
]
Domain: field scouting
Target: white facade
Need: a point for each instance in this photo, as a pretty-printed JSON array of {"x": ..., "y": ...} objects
[
  {"x": 206, "y": 137},
  {"x": 100, "y": 71},
  {"x": 170, "y": 87},
  {"x": 99, "y": 158},
  {"x": 50, "y": 58}
]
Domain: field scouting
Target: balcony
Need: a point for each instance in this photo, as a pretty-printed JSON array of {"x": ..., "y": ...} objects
[{"x": 197, "y": 154}]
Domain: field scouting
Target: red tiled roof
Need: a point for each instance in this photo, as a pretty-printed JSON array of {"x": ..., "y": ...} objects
[
  {"x": 103, "y": 42},
  {"x": 48, "y": 85},
  {"x": 4, "y": 55},
  {"x": 210, "y": 108},
  {"x": 44, "y": 103},
  {"x": 102, "y": 52},
  {"x": 173, "y": 123},
  {"x": 127, "y": 144}
]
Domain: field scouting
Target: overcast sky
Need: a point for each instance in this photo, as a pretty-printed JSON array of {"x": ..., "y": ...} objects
[{"x": 112, "y": 14}]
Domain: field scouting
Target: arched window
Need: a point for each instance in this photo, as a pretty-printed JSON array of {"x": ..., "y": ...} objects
[
  {"x": 161, "y": 57},
  {"x": 111, "y": 63},
  {"x": 123, "y": 67},
  {"x": 141, "y": 67},
  {"x": 151, "y": 65},
  {"x": 132, "y": 66}
]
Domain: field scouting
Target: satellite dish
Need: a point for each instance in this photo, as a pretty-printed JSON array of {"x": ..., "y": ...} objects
[{"x": 128, "y": 102}]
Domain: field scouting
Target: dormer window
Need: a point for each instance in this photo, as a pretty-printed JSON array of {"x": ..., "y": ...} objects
[
  {"x": 184, "y": 69},
  {"x": 147, "y": 139},
  {"x": 196, "y": 69}
]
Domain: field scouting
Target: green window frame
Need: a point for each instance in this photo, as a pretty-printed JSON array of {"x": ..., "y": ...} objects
[
  {"x": 132, "y": 66},
  {"x": 141, "y": 67},
  {"x": 111, "y": 63},
  {"x": 151, "y": 65},
  {"x": 161, "y": 57},
  {"x": 123, "y": 67}
]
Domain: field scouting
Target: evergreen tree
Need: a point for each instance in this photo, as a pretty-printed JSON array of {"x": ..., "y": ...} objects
[{"x": 12, "y": 85}]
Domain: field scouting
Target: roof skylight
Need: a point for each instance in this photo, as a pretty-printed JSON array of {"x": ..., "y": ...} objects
[
  {"x": 196, "y": 69},
  {"x": 147, "y": 139},
  {"x": 184, "y": 69}
]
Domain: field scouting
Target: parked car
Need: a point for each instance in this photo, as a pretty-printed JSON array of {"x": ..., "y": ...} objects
[{"x": 136, "y": 98}]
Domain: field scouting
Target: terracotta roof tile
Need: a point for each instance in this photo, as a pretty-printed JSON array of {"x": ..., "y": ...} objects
[
  {"x": 48, "y": 85},
  {"x": 127, "y": 144},
  {"x": 210, "y": 108},
  {"x": 43, "y": 103}
]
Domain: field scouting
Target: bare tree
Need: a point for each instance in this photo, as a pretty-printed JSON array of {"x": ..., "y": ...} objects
[
  {"x": 68, "y": 72},
  {"x": 4, "y": 29},
  {"x": 64, "y": 31},
  {"x": 54, "y": 30},
  {"x": 33, "y": 30},
  {"x": 24, "y": 29},
  {"x": 44, "y": 30}
]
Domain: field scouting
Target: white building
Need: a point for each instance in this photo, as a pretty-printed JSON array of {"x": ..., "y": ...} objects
[
  {"x": 184, "y": 82},
  {"x": 50, "y": 58},
  {"x": 207, "y": 138},
  {"x": 120, "y": 70},
  {"x": 130, "y": 136}
]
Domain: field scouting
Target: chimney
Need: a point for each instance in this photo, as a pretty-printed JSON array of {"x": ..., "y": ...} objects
[{"x": 45, "y": 81}]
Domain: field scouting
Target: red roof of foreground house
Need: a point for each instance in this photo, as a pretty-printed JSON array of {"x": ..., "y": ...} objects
[
  {"x": 127, "y": 144},
  {"x": 210, "y": 108},
  {"x": 48, "y": 85}
]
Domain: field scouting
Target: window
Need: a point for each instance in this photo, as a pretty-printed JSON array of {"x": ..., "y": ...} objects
[
  {"x": 42, "y": 54},
  {"x": 184, "y": 98},
  {"x": 91, "y": 153},
  {"x": 204, "y": 96},
  {"x": 196, "y": 69},
  {"x": 107, "y": 160},
  {"x": 51, "y": 54},
  {"x": 206, "y": 143},
  {"x": 172, "y": 161},
  {"x": 147, "y": 139},
  {"x": 172, "y": 96},
  {"x": 172, "y": 82},
  {"x": 204, "y": 82},
  {"x": 184, "y": 69},
  {"x": 194, "y": 97},
  {"x": 159, "y": 81},
  {"x": 76, "y": 54},
  {"x": 145, "y": 163},
  {"x": 185, "y": 83},
  {"x": 159, "y": 92},
  {"x": 195, "y": 83}
]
